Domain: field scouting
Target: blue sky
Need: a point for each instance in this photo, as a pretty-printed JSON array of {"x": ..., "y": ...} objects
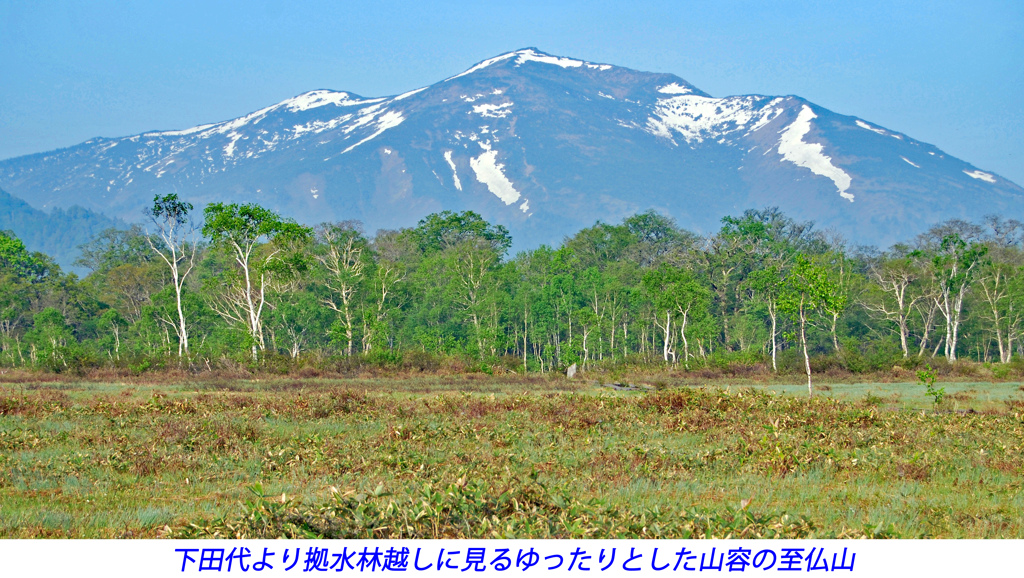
[{"x": 947, "y": 73}]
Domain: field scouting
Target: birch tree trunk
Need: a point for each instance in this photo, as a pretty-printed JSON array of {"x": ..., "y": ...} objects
[{"x": 803, "y": 342}]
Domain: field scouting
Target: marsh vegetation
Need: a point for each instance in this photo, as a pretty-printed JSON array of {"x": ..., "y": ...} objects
[{"x": 491, "y": 456}]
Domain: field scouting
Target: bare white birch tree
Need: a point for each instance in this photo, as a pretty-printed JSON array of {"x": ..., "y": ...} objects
[
  {"x": 177, "y": 233},
  {"x": 341, "y": 253}
]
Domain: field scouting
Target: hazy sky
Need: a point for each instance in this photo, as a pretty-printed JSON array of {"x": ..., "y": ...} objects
[{"x": 947, "y": 73}]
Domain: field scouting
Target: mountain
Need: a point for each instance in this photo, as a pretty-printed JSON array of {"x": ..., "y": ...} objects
[
  {"x": 57, "y": 233},
  {"x": 542, "y": 144}
]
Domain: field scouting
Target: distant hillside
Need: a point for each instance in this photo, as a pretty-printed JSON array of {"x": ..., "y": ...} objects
[{"x": 58, "y": 233}]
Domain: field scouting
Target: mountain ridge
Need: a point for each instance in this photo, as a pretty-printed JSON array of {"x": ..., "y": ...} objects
[
  {"x": 57, "y": 233},
  {"x": 542, "y": 144}
]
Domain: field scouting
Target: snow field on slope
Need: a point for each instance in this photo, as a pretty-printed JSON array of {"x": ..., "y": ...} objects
[
  {"x": 493, "y": 110},
  {"x": 528, "y": 55},
  {"x": 982, "y": 176},
  {"x": 808, "y": 155},
  {"x": 489, "y": 172},
  {"x": 318, "y": 98},
  {"x": 700, "y": 117},
  {"x": 867, "y": 126},
  {"x": 455, "y": 173},
  {"x": 531, "y": 56},
  {"x": 389, "y": 119},
  {"x": 370, "y": 115},
  {"x": 483, "y": 65},
  {"x": 674, "y": 88}
]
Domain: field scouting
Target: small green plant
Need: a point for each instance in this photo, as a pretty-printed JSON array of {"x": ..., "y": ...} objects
[
  {"x": 482, "y": 368},
  {"x": 872, "y": 399},
  {"x": 1000, "y": 371},
  {"x": 926, "y": 377}
]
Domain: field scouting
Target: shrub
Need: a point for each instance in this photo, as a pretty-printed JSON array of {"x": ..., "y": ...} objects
[{"x": 420, "y": 360}]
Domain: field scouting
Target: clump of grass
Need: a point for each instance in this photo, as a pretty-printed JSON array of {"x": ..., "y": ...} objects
[{"x": 475, "y": 510}]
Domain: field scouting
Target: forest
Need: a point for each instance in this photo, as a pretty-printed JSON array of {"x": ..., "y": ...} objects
[{"x": 237, "y": 285}]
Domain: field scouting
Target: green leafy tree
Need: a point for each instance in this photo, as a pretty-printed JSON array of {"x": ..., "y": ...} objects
[
  {"x": 391, "y": 254},
  {"x": 460, "y": 253},
  {"x": 115, "y": 247},
  {"x": 806, "y": 293},
  {"x": 892, "y": 296},
  {"x": 440, "y": 231},
  {"x": 535, "y": 305},
  {"x": 655, "y": 236},
  {"x": 841, "y": 274},
  {"x": 51, "y": 339},
  {"x": 28, "y": 282},
  {"x": 467, "y": 270},
  {"x": 258, "y": 240},
  {"x": 113, "y": 322},
  {"x": 758, "y": 240},
  {"x": 676, "y": 294},
  {"x": 956, "y": 264},
  {"x": 1000, "y": 283},
  {"x": 601, "y": 245},
  {"x": 296, "y": 319},
  {"x": 768, "y": 285}
]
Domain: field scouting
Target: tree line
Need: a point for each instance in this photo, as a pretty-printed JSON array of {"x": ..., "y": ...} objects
[{"x": 241, "y": 284}]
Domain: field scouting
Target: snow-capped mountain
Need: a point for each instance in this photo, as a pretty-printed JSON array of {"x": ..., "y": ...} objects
[{"x": 543, "y": 144}]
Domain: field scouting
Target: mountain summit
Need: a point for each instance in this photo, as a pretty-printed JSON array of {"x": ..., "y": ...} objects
[{"x": 542, "y": 144}]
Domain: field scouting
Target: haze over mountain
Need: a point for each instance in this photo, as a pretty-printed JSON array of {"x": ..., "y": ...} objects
[
  {"x": 58, "y": 233},
  {"x": 542, "y": 144}
]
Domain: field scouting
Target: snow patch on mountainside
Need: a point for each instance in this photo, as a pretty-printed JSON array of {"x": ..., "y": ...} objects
[
  {"x": 318, "y": 126},
  {"x": 528, "y": 55},
  {"x": 318, "y": 98},
  {"x": 698, "y": 118},
  {"x": 224, "y": 127},
  {"x": 455, "y": 173},
  {"x": 410, "y": 93},
  {"x": 483, "y": 65},
  {"x": 230, "y": 149},
  {"x": 389, "y": 119},
  {"x": 981, "y": 176},
  {"x": 674, "y": 88},
  {"x": 185, "y": 132},
  {"x": 566, "y": 117},
  {"x": 808, "y": 155},
  {"x": 489, "y": 172},
  {"x": 301, "y": 103},
  {"x": 366, "y": 116},
  {"x": 867, "y": 126},
  {"x": 493, "y": 110}
]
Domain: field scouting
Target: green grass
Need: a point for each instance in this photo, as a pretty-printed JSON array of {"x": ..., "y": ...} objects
[{"x": 483, "y": 456}]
